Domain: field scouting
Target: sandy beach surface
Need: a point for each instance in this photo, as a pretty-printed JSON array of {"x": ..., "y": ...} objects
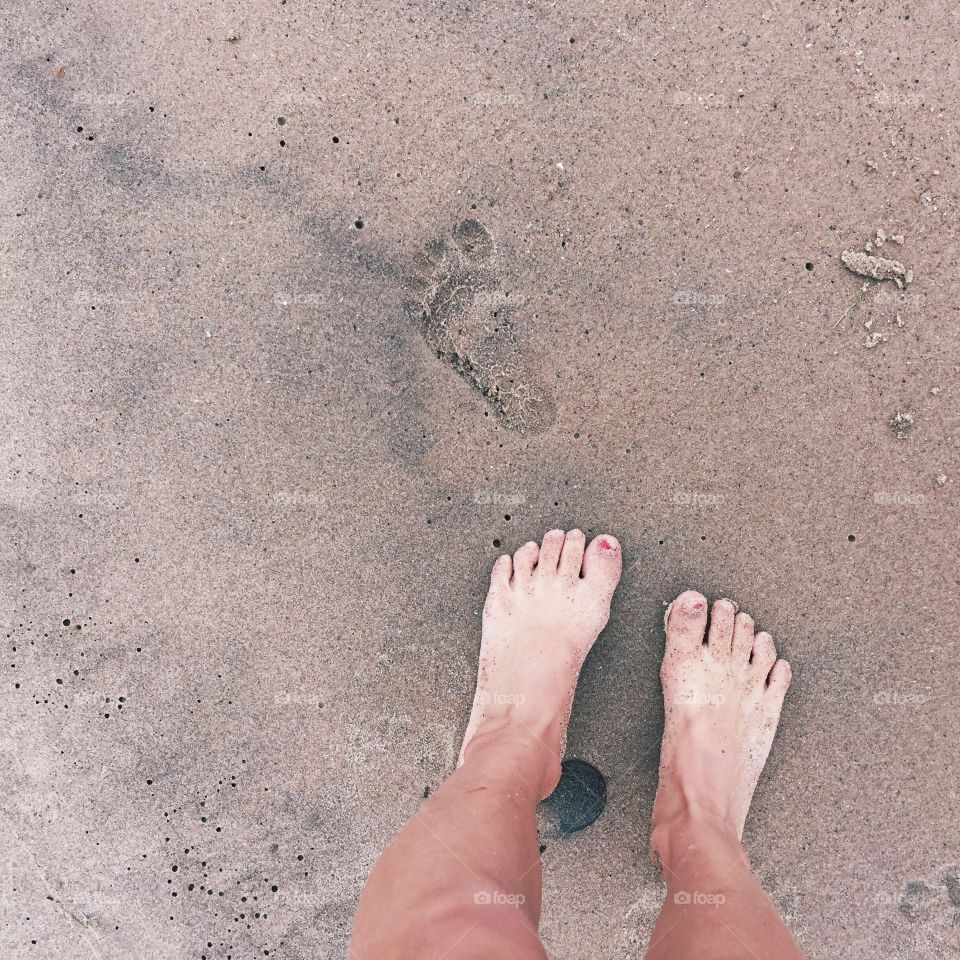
[{"x": 310, "y": 310}]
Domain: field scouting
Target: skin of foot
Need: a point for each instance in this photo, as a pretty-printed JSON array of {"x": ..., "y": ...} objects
[
  {"x": 545, "y": 609},
  {"x": 723, "y": 689}
]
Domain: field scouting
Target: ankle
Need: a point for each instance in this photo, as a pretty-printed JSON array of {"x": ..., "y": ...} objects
[
  {"x": 674, "y": 838},
  {"x": 510, "y": 752}
]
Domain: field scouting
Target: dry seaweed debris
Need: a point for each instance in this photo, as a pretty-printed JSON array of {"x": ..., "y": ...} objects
[
  {"x": 902, "y": 423},
  {"x": 876, "y": 268}
]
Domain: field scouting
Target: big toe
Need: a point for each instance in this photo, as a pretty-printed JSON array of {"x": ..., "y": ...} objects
[
  {"x": 602, "y": 563},
  {"x": 686, "y": 621}
]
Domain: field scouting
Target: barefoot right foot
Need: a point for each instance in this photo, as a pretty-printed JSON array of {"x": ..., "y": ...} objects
[{"x": 722, "y": 694}]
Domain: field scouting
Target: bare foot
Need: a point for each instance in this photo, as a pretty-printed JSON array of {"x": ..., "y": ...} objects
[
  {"x": 545, "y": 609},
  {"x": 722, "y": 696}
]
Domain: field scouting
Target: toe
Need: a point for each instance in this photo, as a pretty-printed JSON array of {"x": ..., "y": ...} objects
[
  {"x": 603, "y": 561},
  {"x": 686, "y": 621},
  {"x": 550, "y": 551},
  {"x": 501, "y": 573},
  {"x": 778, "y": 682},
  {"x": 742, "y": 638},
  {"x": 524, "y": 562},
  {"x": 571, "y": 556},
  {"x": 764, "y": 655},
  {"x": 722, "y": 618}
]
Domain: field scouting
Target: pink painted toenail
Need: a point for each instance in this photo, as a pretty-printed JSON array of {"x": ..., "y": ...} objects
[{"x": 606, "y": 545}]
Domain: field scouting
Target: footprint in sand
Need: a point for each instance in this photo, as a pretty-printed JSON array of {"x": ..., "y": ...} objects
[
  {"x": 464, "y": 314},
  {"x": 931, "y": 908}
]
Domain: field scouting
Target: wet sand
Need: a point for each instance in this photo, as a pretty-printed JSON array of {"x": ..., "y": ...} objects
[{"x": 309, "y": 312}]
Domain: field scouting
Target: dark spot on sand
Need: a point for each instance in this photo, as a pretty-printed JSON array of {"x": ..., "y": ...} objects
[
  {"x": 579, "y": 798},
  {"x": 913, "y": 894},
  {"x": 953, "y": 889}
]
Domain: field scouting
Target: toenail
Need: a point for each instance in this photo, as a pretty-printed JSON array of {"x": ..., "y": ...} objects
[
  {"x": 606, "y": 545},
  {"x": 695, "y": 606}
]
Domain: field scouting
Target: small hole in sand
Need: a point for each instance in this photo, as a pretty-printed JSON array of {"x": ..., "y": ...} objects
[
  {"x": 358, "y": 224},
  {"x": 496, "y": 543},
  {"x": 809, "y": 265}
]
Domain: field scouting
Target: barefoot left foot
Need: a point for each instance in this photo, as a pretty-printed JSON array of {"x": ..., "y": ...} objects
[{"x": 546, "y": 606}]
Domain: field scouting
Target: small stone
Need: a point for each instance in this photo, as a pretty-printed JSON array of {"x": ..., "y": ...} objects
[
  {"x": 899, "y": 321},
  {"x": 872, "y": 166},
  {"x": 896, "y": 238},
  {"x": 941, "y": 479},
  {"x": 935, "y": 391},
  {"x": 881, "y": 238},
  {"x": 874, "y": 339}
]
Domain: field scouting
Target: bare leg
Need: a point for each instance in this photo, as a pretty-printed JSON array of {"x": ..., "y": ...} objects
[
  {"x": 722, "y": 695},
  {"x": 462, "y": 880}
]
